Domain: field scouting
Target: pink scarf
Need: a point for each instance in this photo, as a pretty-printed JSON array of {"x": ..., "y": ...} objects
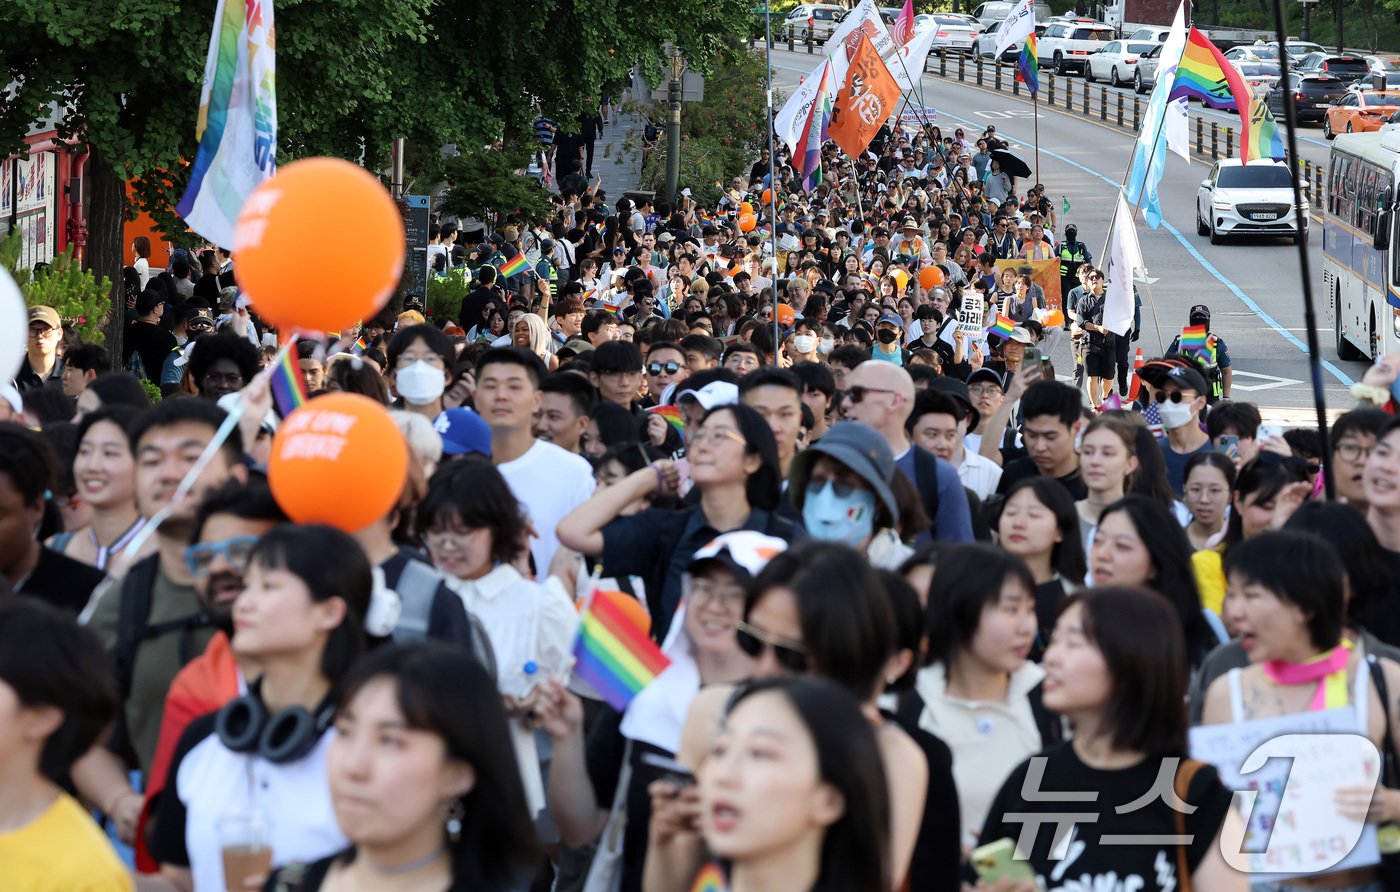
[{"x": 1328, "y": 671}]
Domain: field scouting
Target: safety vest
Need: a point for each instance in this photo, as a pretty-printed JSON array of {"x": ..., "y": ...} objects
[{"x": 1067, "y": 257}]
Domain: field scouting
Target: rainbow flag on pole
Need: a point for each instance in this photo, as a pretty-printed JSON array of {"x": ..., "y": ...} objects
[
  {"x": 613, "y": 652},
  {"x": 288, "y": 391},
  {"x": 1002, "y": 327},
  {"x": 237, "y": 126},
  {"x": 1265, "y": 141},
  {"x": 516, "y": 264},
  {"x": 809, "y": 159},
  {"x": 1207, "y": 75},
  {"x": 672, "y": 414},
  {"x": 1028, "y": 66}
]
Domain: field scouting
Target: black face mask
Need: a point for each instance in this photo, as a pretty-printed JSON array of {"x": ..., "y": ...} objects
[{"x": 887, "y": 336}]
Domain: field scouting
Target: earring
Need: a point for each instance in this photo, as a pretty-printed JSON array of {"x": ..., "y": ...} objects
[{"x": 455, "y": 814}]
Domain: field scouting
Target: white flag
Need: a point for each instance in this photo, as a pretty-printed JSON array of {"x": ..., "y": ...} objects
[
  {"x": 237, "y": 126},
  {"x": 1177, "y": 128},
  {"x": 791, "y": 118},
  {"x": 1019, "y": 25},
  {"x": 841, "y": 46},
  {"x": 1126, "y": 259},
  {"x": 907, "y": 63}
]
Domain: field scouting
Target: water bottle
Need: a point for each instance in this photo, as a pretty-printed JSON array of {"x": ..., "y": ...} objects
[{"x": 524, "y": 680}]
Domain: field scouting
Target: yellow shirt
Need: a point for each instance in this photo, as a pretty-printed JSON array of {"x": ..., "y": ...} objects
[
  {"x": 1210, "y": 578},
  {"x": 62, "y": 851}
]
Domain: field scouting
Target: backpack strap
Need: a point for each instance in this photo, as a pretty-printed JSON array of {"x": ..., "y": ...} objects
[
  {"x": 1185, "y": 773},
  {"x": 926, "y": 481},
  {"x": 133, "y": 618},
  {"x": 417, "y": 586}
]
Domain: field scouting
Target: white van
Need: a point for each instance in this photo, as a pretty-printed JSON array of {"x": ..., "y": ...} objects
[
  {"x": 818, "y": 18},
  {"x": 997, "y": 10}
]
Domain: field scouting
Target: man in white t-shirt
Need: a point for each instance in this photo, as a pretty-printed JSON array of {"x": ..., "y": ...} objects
[{"x": 548, "y": 481}]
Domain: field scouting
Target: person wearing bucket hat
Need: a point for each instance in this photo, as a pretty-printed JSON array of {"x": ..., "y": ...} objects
[{"x": 842, "y": 485}]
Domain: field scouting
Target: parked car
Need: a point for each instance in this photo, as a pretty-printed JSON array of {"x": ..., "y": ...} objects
[
  {"x": 1255, "y": 199},
  {"x": 954, "y": 34},
  {"x": 1145, "y": 75},
  {"x": 1067, "y": 45},
  {"x": 1296, "y": 49},
  {"x": 1392, "y": 81},
  {"x": 1359, "y": 111},
  {"x": 1252, "y": 52},
  {"x": 1346, "y": 67},
  {"x": 1261, "y": 76},
  {"x": 1312, "y": 94},
  {"x": 1116, "y": 61},
  {"x": 1152, "y": 35},
  {"x": 985, "y": 44},
  {"x": 997, "y": 10},
  {"x": 814, "y": 20},
  {"x": 1383, "y": 63}
]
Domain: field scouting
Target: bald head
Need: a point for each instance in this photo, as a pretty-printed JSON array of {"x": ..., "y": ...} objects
[{"x": 886, "y": 399}]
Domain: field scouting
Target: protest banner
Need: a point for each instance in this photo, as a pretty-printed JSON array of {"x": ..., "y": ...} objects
[{"x": 1045, "y": 273}]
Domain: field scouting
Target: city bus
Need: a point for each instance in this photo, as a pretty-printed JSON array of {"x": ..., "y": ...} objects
[{"x": 1360, "y": 251}]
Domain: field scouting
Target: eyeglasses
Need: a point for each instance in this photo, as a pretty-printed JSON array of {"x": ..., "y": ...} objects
[
  {"x": 431, "y": 359},
  {"x": 38, "y": 331},
  {"x": 199, "y": 558},
  {"x": 717, "y": 436},
  {"x": 1353, "y": 451},
  {"x": 656, "y": 368},
  {"x": 856, "y": 393},
  {"x": 703, "y": 592},
  {"x": 753, "y": 641},
  {"x": 437, "y": 540},
  {"x": 1175, "y": 396},
  {"x": 984, "y": 389}
]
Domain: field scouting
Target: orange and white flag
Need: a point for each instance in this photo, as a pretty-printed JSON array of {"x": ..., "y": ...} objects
[{"x": 866, "y": 100}]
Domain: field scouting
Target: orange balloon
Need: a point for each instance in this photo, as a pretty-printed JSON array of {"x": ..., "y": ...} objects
[
  {"x": 270, "y": 242},
  {"x": 931, "y": 277},
  {"x": 747, "y": 221},
  {"x": 338, "y": 460},
  {"x": 745, "y": 207},
  {"x": 786, "y": 314},
  {"x": 767, "y": 196}
]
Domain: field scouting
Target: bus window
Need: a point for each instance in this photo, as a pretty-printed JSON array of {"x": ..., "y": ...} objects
[{"x": 1366, "y": 201}]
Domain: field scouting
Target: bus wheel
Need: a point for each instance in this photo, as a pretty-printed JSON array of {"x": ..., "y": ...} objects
[{"x": 1345, "y": 349}]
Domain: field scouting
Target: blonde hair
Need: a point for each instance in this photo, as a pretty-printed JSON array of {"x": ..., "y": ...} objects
[
  {"x": 409, "y": 317},
  {"x": 423, "y": 440}
]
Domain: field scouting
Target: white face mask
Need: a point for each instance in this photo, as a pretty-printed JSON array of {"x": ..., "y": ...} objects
[
  {"x": 804, "y": 343},
  {"x": 1175, "y": 415},
  {"x": 420, "y": 383},
  {"x": 828, "y": 344}
]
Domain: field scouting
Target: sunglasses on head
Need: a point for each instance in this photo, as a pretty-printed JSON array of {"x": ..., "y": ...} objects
[
  {"x": 1175, "y": 396},
  {"x": 657, "y": 368},
  {"x": 754, "y": 641}
]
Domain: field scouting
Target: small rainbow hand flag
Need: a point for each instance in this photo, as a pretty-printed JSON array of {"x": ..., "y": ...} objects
[
  {"x": 672, "y": 414},
  {"x": 516, "y": 264},
  {"x": 1002, "y": 327},
  {"x": 710, "y": 879},
  {"x": 1194, "y": 337},
  {"x": 613, "y": 652},
  {"x": 359, "y": 346},
  {"x": 288, "y": 391}
]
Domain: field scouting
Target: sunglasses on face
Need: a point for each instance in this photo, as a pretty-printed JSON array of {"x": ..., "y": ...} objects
[
  {"x": 1175, "y": 396},
  {"x": 657, "y": 368},
  {"x": 858, "y": 393},
  {"x": 754, "y": 641}
]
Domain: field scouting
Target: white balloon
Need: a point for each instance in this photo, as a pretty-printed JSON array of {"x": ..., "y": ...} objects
[{"x": 14, "y": 327}]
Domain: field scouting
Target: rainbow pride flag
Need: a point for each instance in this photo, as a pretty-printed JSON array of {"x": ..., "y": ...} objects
[
  {"x": 1194, "y": 337},
  {"x": 360, "y": 345},
  {"x": 710, "y": 879},
  {"x": 1265, "y": 141},
  {"x": 1028, "y": 67},
  {"x": 1206, "y": 75},
  {"x": 288, "y": 391},
  {"x": 1002, "y": 327},
  {"x": 516, "y": 264},
  {"x": 237, "y": 123},
  {"x": 672, "y": 414},
  {"x": 613, "y": 652}
]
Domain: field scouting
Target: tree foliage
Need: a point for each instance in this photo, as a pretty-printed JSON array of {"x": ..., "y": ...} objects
[{"x": 79, "y": 298}]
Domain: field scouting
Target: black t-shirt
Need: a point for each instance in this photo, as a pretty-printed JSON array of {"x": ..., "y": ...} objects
[
  {"x": 604, "y": 753},
  {"x": 153, "y": 343},
  {"x": 61, "y": 581},
  {"x": 1022, "y": 468},
  {"x": 937, "y": 858},
  {"x": 1130, "y": 802},
  {"x": 1049, "y": 596}
]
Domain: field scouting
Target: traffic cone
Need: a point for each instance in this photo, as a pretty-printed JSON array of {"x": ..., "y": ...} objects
[{"x": 1136, "y": 383}]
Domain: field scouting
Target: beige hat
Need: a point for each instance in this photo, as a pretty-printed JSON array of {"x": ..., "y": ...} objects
[{"x": 47, "y": 315}]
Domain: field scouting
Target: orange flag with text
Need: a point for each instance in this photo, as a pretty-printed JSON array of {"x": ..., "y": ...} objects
[{"x": 867, "y": 98}]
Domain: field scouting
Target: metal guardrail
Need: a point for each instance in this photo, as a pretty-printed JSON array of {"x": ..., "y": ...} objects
[{"x": 1093, "y": 102}]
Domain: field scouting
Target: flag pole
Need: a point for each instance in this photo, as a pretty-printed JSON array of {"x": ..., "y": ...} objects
[
  {"x": 1035, "y": 117},
  {"x": 772, "y": 179}
]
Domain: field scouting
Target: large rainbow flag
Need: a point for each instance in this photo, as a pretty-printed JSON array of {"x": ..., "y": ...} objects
[
  {"x": 809, "y": 162},
  {"x": 237, "y": 127},
  {"x": 1028, "y": 66},
  {"x": 1265, "y": 140},
  {"x": 1206, "y": 75},
  {"x": 612, "y": 651}
]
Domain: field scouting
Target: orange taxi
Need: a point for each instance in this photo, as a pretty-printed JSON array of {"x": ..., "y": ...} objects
[{"x": 1359, "y": 111}]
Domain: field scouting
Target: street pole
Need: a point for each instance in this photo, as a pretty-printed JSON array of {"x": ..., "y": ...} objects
[
  {"x": 673, "y": 130},
  {"x": 772, "y": 178},
  {"x": 396, "y": 165},
  {"x": 1306, "y": 33}
]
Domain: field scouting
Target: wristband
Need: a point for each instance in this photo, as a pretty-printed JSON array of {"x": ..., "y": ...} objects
[{"x": 1378, "y": 395}]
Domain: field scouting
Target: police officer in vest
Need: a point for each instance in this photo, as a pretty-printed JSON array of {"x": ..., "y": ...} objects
[{"x": 1073, "y": 255}]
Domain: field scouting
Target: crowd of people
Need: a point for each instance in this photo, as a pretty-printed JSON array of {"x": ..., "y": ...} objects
[{"x": 910, "y": 583}]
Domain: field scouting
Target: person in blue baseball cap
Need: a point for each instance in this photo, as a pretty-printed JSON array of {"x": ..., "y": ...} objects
[
  {"x": 889, "y": 335},
  {"x": 463, "y": 432}
]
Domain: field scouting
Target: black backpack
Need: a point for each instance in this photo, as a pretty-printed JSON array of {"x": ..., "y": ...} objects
[{"x": 134, "y": 625}]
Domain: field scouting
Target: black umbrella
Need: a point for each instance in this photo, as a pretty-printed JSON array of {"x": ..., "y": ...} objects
[{"x": 1011, "y": 165}]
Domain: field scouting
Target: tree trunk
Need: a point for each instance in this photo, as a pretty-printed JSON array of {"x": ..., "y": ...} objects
[{"x": 106, "y": 214}]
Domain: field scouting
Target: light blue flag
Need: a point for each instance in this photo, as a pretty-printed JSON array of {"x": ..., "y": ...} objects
[{"x": 1151, "y": 144}]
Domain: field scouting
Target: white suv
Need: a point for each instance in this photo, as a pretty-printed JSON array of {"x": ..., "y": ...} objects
[
  {"x": 819, "y": 18},
  {"x": 1257, "y": 200},
  {"x": 1067, "y": 45}
]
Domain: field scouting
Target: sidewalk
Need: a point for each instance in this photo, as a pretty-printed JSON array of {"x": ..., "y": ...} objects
[{"x": 619, "y": 165}]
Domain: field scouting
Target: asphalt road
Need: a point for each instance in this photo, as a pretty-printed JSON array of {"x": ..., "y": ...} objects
[{"x": 1252, "y": 285}]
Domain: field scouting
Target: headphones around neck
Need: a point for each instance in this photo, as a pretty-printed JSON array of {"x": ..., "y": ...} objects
[{"x": 244, "y": 726}]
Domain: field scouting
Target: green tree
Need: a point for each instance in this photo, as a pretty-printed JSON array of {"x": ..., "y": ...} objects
[{"x": 352, "y": 75}]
